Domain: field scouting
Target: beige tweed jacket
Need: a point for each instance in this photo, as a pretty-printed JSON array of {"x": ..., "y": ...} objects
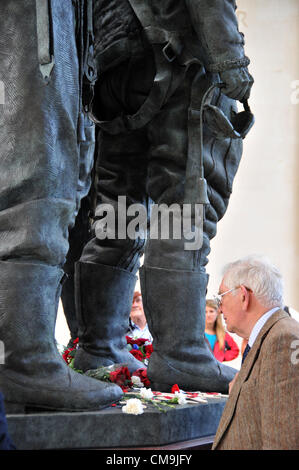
[{"x": 262, "y": 411}]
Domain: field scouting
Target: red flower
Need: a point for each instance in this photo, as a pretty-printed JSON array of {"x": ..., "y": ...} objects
[
  {"x": 137, "y": 354},
  {"x": 148, "y": 350},
  {"x": 130, "y": 340},
  {"x": 121, "y": 377},
  {"x": 142, "y": 374},
  {"x": 175, "y": 388},
  {"x": 65, "y": 355},
  {"x": 138, "y": 341},
  {"x": 68, "y": 355}
]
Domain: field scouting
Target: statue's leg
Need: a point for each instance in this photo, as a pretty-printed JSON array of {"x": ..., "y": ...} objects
[
  {"x": 80, "y": 233},
  {"x": 106, "y": 273},
  {"x": 78, "y": 237},
  {"x": 173, "y": 278},
  {"x": 38, "y": 202},
  {"x": 109, "y": 264}
]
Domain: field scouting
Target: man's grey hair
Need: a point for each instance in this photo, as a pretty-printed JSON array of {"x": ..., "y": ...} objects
[{"x": 258, "y": 274}]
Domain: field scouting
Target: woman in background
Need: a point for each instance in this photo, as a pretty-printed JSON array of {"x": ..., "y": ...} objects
[{"x": 221, "y": 343}]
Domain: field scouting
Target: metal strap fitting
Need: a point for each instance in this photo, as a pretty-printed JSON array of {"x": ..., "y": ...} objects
[{"x": 168, "y": 52}]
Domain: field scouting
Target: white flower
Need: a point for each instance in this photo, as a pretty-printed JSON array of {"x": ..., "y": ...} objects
[
  {"x": 146, "y": 393},
  {"x": 181, "y": 398},
  {"x": 133, "y": 407},
  {"x": 136, "y": 381}
]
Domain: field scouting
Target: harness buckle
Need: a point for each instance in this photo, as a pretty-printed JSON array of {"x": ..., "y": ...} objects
[{"x": 169, "y": 52}]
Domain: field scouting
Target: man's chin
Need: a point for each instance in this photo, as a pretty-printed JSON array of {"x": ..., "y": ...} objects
[{"x": 135, "y": 317}]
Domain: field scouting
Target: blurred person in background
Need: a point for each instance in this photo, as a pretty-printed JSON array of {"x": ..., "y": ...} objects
[
  {"x": 138, "y": 327},
  {"x": 221, "y": 343}
]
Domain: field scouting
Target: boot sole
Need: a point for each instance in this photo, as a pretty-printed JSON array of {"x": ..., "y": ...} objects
[{"x": 159, "y": 368}]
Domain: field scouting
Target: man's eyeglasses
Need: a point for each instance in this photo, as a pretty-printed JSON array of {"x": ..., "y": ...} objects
[{"x": 218, "y": 297}]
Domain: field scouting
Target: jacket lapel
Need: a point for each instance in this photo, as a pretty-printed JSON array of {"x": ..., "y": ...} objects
[{"x": 244, "y": 374}]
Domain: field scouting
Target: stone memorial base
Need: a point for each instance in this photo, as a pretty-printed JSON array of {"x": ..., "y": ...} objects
[{"x": 184, "y": 426}]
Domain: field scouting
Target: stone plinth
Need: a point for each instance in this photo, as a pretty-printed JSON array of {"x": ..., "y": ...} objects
[{"x": 111, "y": 428}]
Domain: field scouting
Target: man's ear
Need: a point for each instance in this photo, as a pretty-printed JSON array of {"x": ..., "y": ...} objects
[{"x": 245, "y": 297}]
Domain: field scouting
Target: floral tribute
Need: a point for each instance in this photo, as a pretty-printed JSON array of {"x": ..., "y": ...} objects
[
  {"x": 116, "y": 373},
  {"x": 136, "y": 386},
  {"x": 140, "y": 348},
  {"x": 119, "y": 374},
  {"x": 69, "y": 353}
]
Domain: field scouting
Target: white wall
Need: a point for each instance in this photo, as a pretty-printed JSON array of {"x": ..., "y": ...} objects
[{"x": 262, "y": 214}]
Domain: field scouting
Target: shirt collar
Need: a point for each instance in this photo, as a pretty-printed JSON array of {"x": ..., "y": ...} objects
[
  {"x": 259, "y": 325},
  {"x": 138, "y": 327},
  {"x": 134, "y": 325}
]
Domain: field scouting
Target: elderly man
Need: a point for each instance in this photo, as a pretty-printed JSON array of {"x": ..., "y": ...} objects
[
  {"x": 263, "y": 406},
  {"x": 138, "y": 327}
]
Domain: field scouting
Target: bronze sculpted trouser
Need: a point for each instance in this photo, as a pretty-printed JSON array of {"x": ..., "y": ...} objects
[
  {"x": 42, "y": 179},
  {"x": 146, "y": 165},
  {"x": 78, "y": 237}
]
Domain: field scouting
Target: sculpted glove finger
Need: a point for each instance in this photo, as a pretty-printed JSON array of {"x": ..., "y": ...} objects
[
  {"x": 238, "y": 83},
  {"x": 248, "y": 91}
]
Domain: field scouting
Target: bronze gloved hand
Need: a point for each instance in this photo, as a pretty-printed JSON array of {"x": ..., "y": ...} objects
[{"x": 238, "y": 83}]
